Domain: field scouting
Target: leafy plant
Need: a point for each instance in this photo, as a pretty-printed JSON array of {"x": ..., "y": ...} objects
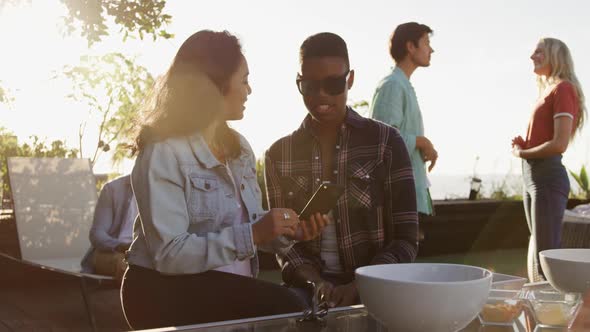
[
  {"x": 361, "y": 106},
  {"x": 134, "y": 17},
  {"x": 582, "y": 181},
  {"x": 3, "y": 3},
  {"x": 5, "y": 95},
  {"x": 112, "y": 86},
  {"x": 502, "y": 191},
  {"x": 143, "y": 17},
  {"x": 508, "y": 188},
  {"x": 261, "y": 182}
]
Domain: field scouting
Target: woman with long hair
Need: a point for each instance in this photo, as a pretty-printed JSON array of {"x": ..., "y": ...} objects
[
  {"x": 193, "y": 257},
  {"x": 558, "y": 115}
]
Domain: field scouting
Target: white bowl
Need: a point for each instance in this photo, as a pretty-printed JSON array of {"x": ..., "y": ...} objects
[
  {"x": 567, "y": 270},
  {"x": 423, "y": 297}
]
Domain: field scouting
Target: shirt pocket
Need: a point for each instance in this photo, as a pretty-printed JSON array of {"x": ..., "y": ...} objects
[
  {"x": 204, "y": 198},
  {"x": 361, "y": 184},
  {"x": 296, "y": 191}
]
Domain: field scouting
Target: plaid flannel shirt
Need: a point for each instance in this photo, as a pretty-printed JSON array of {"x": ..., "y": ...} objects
[{"x": 376, "y": 218}]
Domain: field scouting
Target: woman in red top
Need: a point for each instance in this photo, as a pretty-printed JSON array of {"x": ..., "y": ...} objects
[{"x": 559, "y": 113}]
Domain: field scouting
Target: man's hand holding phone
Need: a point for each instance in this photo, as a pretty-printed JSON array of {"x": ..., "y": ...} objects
[
  {"x": 314, "y": 217},
  {"x": 312, "y": 228}
]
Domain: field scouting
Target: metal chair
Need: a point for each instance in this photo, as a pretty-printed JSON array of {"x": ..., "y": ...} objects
[{"x": 54, "y": 201}]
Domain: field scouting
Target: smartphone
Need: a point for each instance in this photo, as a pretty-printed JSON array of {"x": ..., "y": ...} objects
[{"x": 323, "y": 200}]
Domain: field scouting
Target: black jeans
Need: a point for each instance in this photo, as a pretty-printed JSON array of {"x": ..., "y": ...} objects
[{"x": 152, "y": 300}]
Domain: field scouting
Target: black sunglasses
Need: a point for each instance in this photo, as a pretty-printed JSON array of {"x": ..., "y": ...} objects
[{"x": 331, "y": 85}]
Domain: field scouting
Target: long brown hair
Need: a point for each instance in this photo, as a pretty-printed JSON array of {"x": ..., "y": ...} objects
[{"x": 190, "y": 95}]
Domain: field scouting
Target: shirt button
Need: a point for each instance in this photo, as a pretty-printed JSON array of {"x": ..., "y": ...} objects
[
  {"x": 337, "y": 147},
  {"x": 254, "y": 216},
  {"x": 317, "y": 180},
  {"x": 243, "y": 187},
  {"x": 335, "y": 171},
  {"x": 316, "y": 157}
]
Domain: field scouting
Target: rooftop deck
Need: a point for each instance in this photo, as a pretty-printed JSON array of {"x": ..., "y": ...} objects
[
  {"x": 489, "y": 234},
  {"x": 39, "y": 300}
]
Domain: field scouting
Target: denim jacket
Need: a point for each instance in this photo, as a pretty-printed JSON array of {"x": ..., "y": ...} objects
[{"x": 187, "y": 206}]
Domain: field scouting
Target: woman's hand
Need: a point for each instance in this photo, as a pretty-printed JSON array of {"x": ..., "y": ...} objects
[
  {"x": 312, "y": 228},
  {"x": 518, "y": 140},
  {"x": 275, "y": 223},
  {"x": 122, "y": 247},
  {"x": 518, "y": 144},
  {"x": 516, "y": 151}
]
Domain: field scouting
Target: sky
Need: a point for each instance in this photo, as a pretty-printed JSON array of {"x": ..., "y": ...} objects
[{"x": 477, "y": 94}]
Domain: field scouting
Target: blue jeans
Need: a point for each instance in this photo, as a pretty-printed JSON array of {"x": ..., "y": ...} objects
[{"x": 546, "y": 190}]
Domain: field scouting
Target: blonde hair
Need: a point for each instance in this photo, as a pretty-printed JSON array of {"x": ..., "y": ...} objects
[{"x": 558, "y": 55}]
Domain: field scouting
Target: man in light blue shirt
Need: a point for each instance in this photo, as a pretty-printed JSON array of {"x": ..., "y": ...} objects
[{"x": 396, "y": 104}]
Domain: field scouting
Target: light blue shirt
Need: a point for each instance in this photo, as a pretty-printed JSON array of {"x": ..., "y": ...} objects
[{"x": 395, "y": 103}]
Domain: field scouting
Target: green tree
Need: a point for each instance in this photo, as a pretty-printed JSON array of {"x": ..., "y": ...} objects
[
  {"x": 261, "y": 181},
  {"x": 112, "y": 87},
  {"x": 134, "y": 17},
  {"x": 361, "y": 106},
  {"x": 12, "y": 2},
  {"x": 5, "y": 95}
]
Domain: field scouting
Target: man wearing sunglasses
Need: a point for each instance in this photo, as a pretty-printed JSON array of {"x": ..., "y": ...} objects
[
  {"x": 375, "y": 221},
  {"x": 396, "y": 104}
]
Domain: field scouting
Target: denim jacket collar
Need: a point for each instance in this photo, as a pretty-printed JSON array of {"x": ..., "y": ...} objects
[{"x": 205, "y": 156}]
